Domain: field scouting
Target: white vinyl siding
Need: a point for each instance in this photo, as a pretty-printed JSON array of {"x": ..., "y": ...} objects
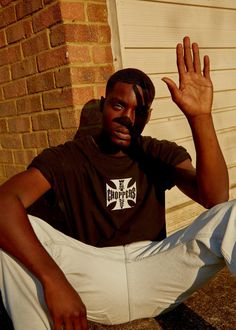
[{"x": 144, "y": 35}]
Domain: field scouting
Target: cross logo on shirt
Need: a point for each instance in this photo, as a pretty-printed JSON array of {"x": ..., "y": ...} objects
[{"x": 122, "y": 194}]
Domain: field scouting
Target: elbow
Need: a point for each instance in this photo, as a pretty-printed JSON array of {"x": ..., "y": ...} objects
[{"x": 215, "y": 200}]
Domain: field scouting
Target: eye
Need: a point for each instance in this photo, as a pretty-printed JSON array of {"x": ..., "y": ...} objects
[{"x": 117, "y": 106}]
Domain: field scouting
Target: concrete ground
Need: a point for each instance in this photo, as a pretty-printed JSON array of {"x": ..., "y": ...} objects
[{"x": 212, "y": 307}]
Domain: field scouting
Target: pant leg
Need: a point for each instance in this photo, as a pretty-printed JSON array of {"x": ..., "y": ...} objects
[
  {"x": 142, "y": 279},
  {"x": 163, "y": 274},
  {"x": 98, "y": 275}
]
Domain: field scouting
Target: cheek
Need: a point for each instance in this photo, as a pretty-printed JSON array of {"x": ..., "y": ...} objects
[
  {"x": 108, "y": 117},
  {"x": 107, "y": 121}
]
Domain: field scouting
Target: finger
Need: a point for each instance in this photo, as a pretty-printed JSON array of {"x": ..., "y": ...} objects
[
  {"x": 80, "y": 323},
  {"x": 84, "y": 323},
  {"x": 180, "y": 60},
  {"x": 174, "y": 91},
  {"x": 188, "y": 55},
  {"x": 68, "y": 325},
  {"x": 196, "y": 58},
  {"x": 206, "y": 68},
  {"x": 58, "y": 324}
]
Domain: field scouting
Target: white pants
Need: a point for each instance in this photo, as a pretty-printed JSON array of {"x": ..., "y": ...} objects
[{"x": 123, "y": 283}]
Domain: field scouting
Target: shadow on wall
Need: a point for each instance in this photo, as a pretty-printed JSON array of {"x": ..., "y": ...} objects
[
  {"x": 45, "y": 207},
  {"x": 90, "y": 119}
]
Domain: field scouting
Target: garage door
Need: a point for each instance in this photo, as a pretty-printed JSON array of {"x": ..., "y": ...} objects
[{"x": 144, "y": 35}]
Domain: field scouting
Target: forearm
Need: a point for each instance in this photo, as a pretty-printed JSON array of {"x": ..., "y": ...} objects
[
  {"x": 19, "y": 240},
  {"x": 211, "y": 169}
]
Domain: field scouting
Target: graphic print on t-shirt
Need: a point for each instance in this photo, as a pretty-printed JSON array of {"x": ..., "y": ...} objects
[{"x": 121, "y": 194}]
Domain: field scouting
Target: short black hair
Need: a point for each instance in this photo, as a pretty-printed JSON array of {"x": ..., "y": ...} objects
[{"x": 135, "y": 77}]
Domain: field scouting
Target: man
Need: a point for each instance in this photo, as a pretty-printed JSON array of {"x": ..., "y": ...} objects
[{"x": 118, "y": 283}]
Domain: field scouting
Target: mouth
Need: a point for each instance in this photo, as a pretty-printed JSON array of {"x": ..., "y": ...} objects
[{"x": 122, "y": 133}]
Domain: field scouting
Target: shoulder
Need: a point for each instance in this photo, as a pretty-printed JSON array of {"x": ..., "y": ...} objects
[
  {"x": 168, "y": 151},
  {"x": 62, "y": 157}
]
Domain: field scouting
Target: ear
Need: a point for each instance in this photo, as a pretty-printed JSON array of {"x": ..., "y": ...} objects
[{"x": 102, "y": 101}]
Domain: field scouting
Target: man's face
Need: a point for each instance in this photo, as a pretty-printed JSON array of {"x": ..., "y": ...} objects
[{"x": 124, "y": 114}]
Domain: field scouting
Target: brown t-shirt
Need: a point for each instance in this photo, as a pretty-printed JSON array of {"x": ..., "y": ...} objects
[{"x": 108, "y": 200}]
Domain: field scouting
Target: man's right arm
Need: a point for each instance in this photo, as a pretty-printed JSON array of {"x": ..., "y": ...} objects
[{"x": 19, "y": 240}]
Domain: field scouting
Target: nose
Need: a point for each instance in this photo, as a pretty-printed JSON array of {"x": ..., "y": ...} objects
[{"x": 130, "y": 113}]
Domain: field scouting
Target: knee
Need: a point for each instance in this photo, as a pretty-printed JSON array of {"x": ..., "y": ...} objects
[
  {"x": 229, "y": 205},
  {"x": 225, "y": 212}
]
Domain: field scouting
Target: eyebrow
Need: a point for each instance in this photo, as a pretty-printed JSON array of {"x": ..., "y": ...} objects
[{"x": 116, "y": 99}]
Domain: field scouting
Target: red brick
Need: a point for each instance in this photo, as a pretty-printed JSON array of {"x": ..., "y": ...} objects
[
  {"x": 6, "y": 2},
  {"x": 57, "y": 35},
  {"x": 15, "y": 32},
  {"x": 53, "y": 58},
  {"x": 46, "y": 121},
  {"x": 6, "y": 156},
  {"x": 29, "y": 104},
  {"x": 24, "y": 68},
  {"x": 102, "y": 55},
  {"x": 73, "y": 11},
  {"x": 70, "y": 118},
  {"x": 97, "y": 12},
  {"x": 35, "y": 140},
  {"x": 78, "y": 54},
  {"x": 12, "y": 170},
  {"x": 27, "y": 7},
  {"x": 72, "y": 33},
  {"x": 60, "y": 136},
  {"x": 11, "y": 141},
  {"x": 58, "y": 99},
  {"x": 10, "y": 55},
  {"x": 63, "y": 77},
  {"x": 2, "y": 174},
  {"x": 40, "y": 82},
  {"x": 7, "y": 16},
  {"x": 102, "y": 32},
  {"x": 15, "y": 89},
  {"x": 7, "y": 109},
  {"x": 2, "y": 39},
  {"x": 103, "y": 73},
  {"x": 81, "y": 95},
  {"x": 47, "y": 17},
  {"x": 4, "y": 74},
  {"x": 24, "y": 156},
  {"x": 83, "y": 75},
  {"x": 1, "y": 94},
  {"x": 35, "y": 44},
  {"x": 28, "y": 28},
  {"x": 46, "y": 2},
  {"x": 3, "y": 126},
  {"x": 19, "y": 124},
  {"x": 80, "y": 75},
  {"x": 100, "y": 91}
]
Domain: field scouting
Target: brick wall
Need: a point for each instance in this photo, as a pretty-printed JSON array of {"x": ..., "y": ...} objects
[{"x": 54, "y": 57}]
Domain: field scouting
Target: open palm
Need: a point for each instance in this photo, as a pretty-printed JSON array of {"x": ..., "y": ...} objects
[{"x": 195, "y": 92}]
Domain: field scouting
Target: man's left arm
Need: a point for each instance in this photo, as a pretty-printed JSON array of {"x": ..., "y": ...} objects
[{"x": 209, "y": 183}]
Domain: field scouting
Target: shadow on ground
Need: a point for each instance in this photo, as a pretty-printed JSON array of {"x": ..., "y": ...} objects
[{"x": 212, "y": 307}]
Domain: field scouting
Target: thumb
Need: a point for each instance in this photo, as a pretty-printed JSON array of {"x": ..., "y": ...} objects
[{"x": 174, "y": 91}]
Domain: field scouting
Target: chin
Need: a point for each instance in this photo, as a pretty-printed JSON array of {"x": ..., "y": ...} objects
[{"x": 122, "y": 144}]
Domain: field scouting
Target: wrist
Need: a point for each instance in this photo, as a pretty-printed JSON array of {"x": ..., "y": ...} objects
[
  {"x": 200, "y": 118},
  {"x": 52, "y": 276}
]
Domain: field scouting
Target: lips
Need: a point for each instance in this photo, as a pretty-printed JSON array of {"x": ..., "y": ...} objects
[{"x": 122, "y": 133}]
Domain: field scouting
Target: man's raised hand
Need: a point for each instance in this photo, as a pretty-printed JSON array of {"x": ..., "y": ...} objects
[{"x": 195, "y": 92}]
